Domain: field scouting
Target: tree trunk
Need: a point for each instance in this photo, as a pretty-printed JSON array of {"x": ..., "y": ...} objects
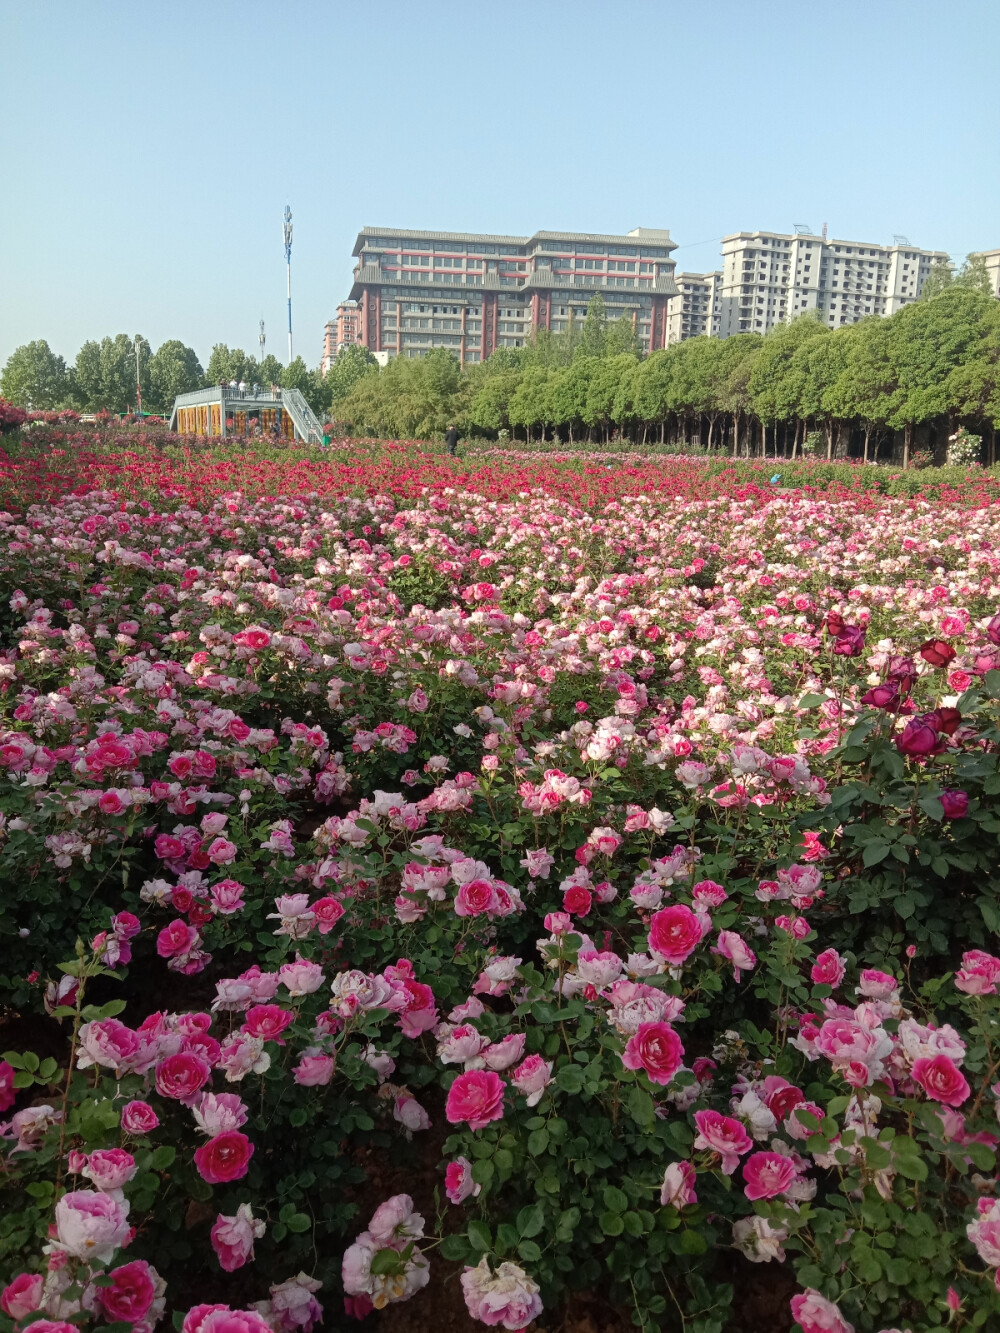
[
  {"x": 907, "y": 441},
  {"x": 868, "y": 435},
  {"x": 711, "y": 432},
  {"x": 829, "y": 440}
]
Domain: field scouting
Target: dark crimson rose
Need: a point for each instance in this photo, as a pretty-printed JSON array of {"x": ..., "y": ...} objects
[
  {"x": 955, "y": 803},
  {"x": 883, "y": 696},
  {"x": 850, "y": 641},
  {"x": 993, "y": 630},
  {"x": 937, "y": 652},
  {"x": 834, "y": 623},
  {"x": 918, "y": 739},
  {"x": 945, "y": 720}
]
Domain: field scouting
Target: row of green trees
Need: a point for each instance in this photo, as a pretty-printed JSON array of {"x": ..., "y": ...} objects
[
  {"x": 106, "y": 373},
  {"x": 934, "y": 364}
]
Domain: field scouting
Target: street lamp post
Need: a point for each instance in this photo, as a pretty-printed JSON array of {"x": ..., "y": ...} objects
[
  {"x": 261, "y": 339},
  {"x": 287, "y": 232},
  {"x": 138, "y": 386}
]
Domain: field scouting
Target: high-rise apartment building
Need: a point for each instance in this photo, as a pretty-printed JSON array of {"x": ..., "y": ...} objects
[
  {"x": 992, "y": 258},
  {"x": 769, "y": 277},
  {"x": 472, "y": 294},
  {"x": 341, "y": 332},
  {"x": 694, "y": 311}
]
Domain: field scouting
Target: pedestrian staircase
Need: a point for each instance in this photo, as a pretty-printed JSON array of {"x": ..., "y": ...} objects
[{"x": 307, "y": 425}]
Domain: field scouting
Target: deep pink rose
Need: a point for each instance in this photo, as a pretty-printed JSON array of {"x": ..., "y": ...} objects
[
  {"x": 918, "y": 739},
  {"x": 657, "y": 1049},
  {"x": 224, "y": 1158},
  {"x": 767, "y": 1174},
  {"x": 818, "y": 1315},
  {"x": 131, "y": 1294},
  {"x": 724, "y": 1135},
  {"x": 221, "y": 1319},
  {"x": 6, "y": 1086},
  {"x": 828, "y": 969},
  {"x": 954, "y": 803},
  {"x": 941, "y": 1079},
  {"x": 267, "y": 1021},
  {"x": 327, "y": 912},
  {"x": 577, "y": 900},
  {"x": 175, "y": 939},
  {"x": 182, "y": 1075},
  {"x": 674, "y": 933},
  {"x": 476, "y": 1096}
]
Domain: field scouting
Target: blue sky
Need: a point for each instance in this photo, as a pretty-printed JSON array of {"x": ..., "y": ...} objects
[{"x": 148, "y": 150}]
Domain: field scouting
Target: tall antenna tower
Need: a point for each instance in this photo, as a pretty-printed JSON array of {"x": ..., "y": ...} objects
[
  {"x": 261, "y": 339},
  {"x": 287, "y": 233}
]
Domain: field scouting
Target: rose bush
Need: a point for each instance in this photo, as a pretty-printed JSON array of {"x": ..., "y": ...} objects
[{"x": 673, "y": 894}]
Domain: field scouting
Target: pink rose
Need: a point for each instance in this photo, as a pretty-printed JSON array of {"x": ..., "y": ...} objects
[
  {"x": 108, "y": 1043},
  {"x": 734, "y": 948},
  {"x": 50, "y": 1326},
  {"x": 767, "y": 1174},
  {"x": 678, "y": 1185},
  {"x": 509, "y": 1297},
  {"x": 502, "y": 1054},
  {"x": 227, "y": 896},
  {"x": 176, "y": 939},
  {"x": 219, "y": 1113},
  {"x": 110, "y": 1168},
  {"x": 221, "y": 1319},
  {"x": 314, "y": 1071},
  {"x": 458, "y": 1182},
  {"x": 131, "y": 1294},
  {"x": 327, "y": 912},
  {"x": 7, "y": 1093},
  {"x": 475, "y": 898},
  {"x": 942, "y": 1080},
  {"x": 476, "y": 1096},
  {"x": 221, "y": 852},
  {"x": 182, "y": 1075},
  {"x": 532, "y": 1076},
  {"x": 577, "y": 900},
  {"x": 978, "y": 975},
  {"x": 23, "y": 1296},
  {"x": 91, "y": 1226},
  {"x": 224, "y": 1158},
  {"x": 828, "y": 969},
  {"x": 818, "y": 1315},
  {"x": 267, "y": 1021},
  {"x": 674, "y": 933},
  {"x": 233, "y": 1237},
  {"x": 656, "y": 1048},
  {"x": 724, "y": 1135}
]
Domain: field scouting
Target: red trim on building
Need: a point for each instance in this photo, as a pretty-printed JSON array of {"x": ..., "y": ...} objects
[
  {"x": 489, "y": 338},
  {"x": 657, "y": 324}
]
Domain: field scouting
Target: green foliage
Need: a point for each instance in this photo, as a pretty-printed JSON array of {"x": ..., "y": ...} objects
[
  {"x": 173, "y": 369},
  {"x": 34, "y": 375},
  {"x": 352, "y": 364},
  {"x": 105, "y": 373}
]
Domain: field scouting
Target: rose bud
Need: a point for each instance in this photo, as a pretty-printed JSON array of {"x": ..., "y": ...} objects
[{"x": 937, "y": 652}]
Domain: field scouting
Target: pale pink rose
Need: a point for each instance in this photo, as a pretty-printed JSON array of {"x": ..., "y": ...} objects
[
  {"x": 538, "y": 863},
  {"x": 979, "y": 973},
  {"x": 508, "y": 1298},
  {"x": 458, "y": 1182},
  {"x": 734, "y": 948},
  {"x": 396, "y": 1220},
  {"x": 461, "y": 1045},
  {"x": 294, "y": 1305},
  {"x": 221, "y": 852},
  {"x": 240, "y": 1055},
  {"x": 502, "y": 1054},
  {"x": 91, "y": 1226},
  {"x": 723, "y": 1135},
  {"x": 876, "y": 985},
  {"x": 219, "y": 1113},
  {"x": 221, "y": 1319},
  {"x": 759, "y": 1240},
  {"x": 532, "y": 1076},
  {"x": 227, "y": 896},
  {"x": 108, "y": 1043},
  {"x": 767, "y": 1174},
  {"x": 233, "y": 1237},
  {"x": 314, "y": 1070},
  {"x": 109, "y": 1169},
  {"x": 984, "y": 1232},
  {"x": 301, "y": 977},
  {"x": 678, "y": 1186},
  {"x": 818, "y": 1315},
  {"x": 476, "y": 1097},
  {"x": 410, "y": 1114},
  {"x": 598, "y": 967}
]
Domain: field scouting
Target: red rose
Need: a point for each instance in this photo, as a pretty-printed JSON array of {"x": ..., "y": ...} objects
[
  {"x": 937, "y": 652},
  {"x": 577, "y": 900},
  {"x": 224, "y": 1158},
  {"x": 941, "y": 1079},
  {"x": 180, "y": 1076}
]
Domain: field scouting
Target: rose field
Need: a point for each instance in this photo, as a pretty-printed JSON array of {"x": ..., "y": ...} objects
[{"x": 536, "y": 890}]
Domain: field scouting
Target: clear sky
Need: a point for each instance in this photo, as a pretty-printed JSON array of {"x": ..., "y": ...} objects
[{"x": 148, "y": 149}]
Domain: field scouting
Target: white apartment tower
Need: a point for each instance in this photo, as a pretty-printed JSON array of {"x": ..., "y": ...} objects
[
  {"x": 769, "y": 277},
  {"x": 992, "y": 258},
  {"x": 694, "y": 311}
]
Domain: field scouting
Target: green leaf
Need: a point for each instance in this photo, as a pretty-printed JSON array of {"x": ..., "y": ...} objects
[
  {"x": 641, "y": 1107},
  {"x": 611, "y": 1224},
  {"x": 479, "y": 1236},
  {"x": 298, "y": 1222},
  {"x": 875, "y": 851},
  {"x": 931, "y": 805},
  {"x": 530, "y": 1220},
  {"x": 163, "y": 1157},
  {"x": 529, "y": 1251},
  {"x": 615, "y": 1200},
  {"x": 538, "y": 1141},
  {"x": 454, "y": 1248},
  {"x": 811, "y": 701},
  {"x": 570, "y": 1078}
]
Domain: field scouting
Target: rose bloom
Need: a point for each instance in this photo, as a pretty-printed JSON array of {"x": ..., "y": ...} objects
[
  {"x": 219, "y": 1113},
  {"x": 979, "y": 973},
  {"x": 110, "y": 1168},
  {"x": 458, "y": 1182},
  {"x": 327, "y": 912},
  {"x": 138, "y": 1118},
  {"x": 267, "y": 1021},
  {"x": 942, "y": 1080},
  {"x": 224, "y": 1158},
  {"x": 221, "y": 851},
  {"x": 656, "y": 1048},
  {"x": 674, "y": 933},
  {"x": 532, "y": 1077},
  {"x": 23, "y": 1296},
  {"x": 954, "y": 803},
  {"x": 818, "y": 1315},
  {"x": 108, "y": 1043},
  {"x": 767, "y": 1174},
  {"x": 182, "y": 1075},
  {"x": 131, "y": 1294},
  {"x": 233, "y": 1237},
  {"x": 221, "y": 1319},
  {"x": 678, "y": 1185},
  {"x": 91, "y": 1226},
  {"x": 723, "y": 1135},
  {"x": 476, "y": 1096},
  {"x": 577, "y": 900},
  {"x": 735, "y": 949},
  {"x": 314, "y": 1070},
  {"x": 508, "y": 1298},
  {"x": 828, "y": 969}
]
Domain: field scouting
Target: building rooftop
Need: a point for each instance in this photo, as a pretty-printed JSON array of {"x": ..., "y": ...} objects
[{"x": 650, "y": 235}]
